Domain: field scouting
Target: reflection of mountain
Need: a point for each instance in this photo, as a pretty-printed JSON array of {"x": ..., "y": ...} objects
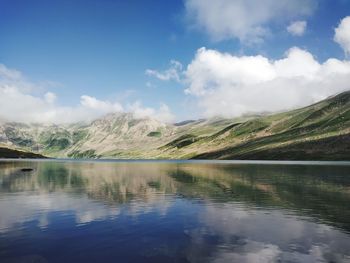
[
  {"x": 320, "y": 191},
  {"x": 109, "y": 182},
  {"x": 46, "y": 177}
]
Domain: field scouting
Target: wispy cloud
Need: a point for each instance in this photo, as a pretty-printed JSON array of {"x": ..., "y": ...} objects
[
  {"x": 162, "y": 114},
  {"x": 172, "y": 73},
  {"x": 297, "y": 28},
  {"x": 248, "y": 20}
]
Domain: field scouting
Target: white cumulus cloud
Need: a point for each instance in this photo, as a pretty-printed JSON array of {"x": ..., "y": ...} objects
[
  {"x": 297, "y": 28},
  {"x": 229, "y": 85},
  {"x": 16, "y": 105},
  {"x": 342, "y": 34},
  {"x": 246, "y": 20},
  {"x": 50, "y": 97},
  {"x": 105, "y": 106},
  {"x": 162, "y": 114},
  {"x": 19, "y": 103}
]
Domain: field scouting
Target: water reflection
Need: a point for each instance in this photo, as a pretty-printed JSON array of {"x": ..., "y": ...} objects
[{"x": 179, "y": 212}]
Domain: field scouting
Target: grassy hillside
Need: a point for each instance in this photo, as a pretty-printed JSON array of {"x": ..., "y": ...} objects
[
  {"x": 320, "y": 131},
  {"x": 327, "y": 149}
]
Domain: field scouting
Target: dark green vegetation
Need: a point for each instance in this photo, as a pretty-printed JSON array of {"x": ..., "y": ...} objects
[
  {"x": 155, "y": 134},
  {"x": 182, "y": 141},
  {"x": 10, "y": 153},
  {"x": 83, "y": 155},
  {"x": 326, "y": 149}
]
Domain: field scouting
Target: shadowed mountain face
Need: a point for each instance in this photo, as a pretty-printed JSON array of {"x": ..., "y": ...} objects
[
  {"x": 317, "y": 132},
  {"x": 10, "y": 153}
]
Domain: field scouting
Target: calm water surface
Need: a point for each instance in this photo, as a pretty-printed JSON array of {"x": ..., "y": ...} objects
[{"x": 65, "y": 211}]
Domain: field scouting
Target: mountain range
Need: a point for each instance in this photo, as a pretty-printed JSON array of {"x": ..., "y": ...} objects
[{"x": 317, "y": 132}]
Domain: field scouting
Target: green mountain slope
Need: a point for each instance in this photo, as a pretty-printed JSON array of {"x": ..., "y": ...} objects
[{"x": 319, "y": 131}]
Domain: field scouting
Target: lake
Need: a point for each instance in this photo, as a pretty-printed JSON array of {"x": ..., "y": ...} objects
[{"x": 149, "y": 211}]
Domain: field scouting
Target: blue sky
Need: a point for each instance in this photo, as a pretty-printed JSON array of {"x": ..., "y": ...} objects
[{"x": 103, "y": 49}]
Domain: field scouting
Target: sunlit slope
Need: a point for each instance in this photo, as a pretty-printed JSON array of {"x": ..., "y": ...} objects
[{"x": 320, "y": 132}]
